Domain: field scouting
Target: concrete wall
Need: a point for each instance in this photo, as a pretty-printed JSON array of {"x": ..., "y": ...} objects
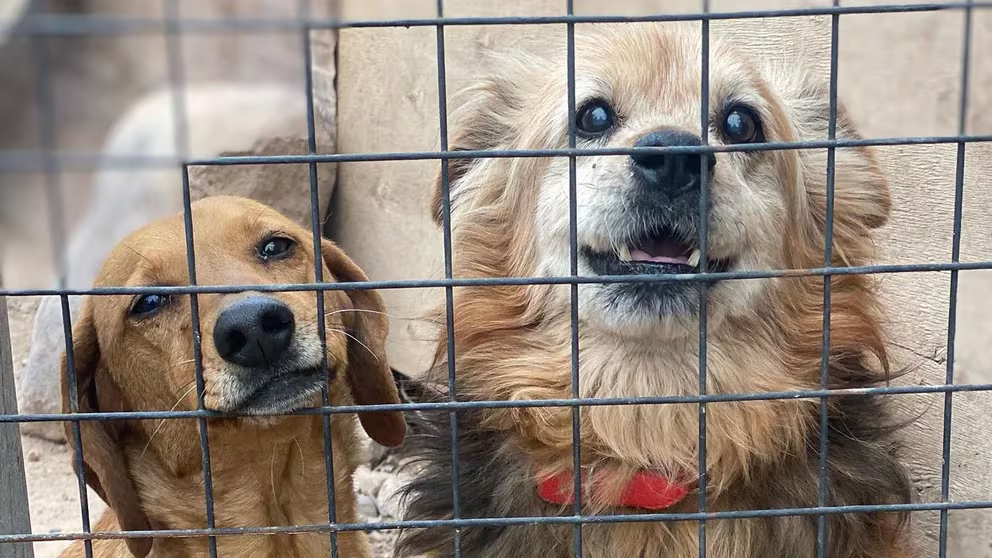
[{"x": 898, "y": 75}]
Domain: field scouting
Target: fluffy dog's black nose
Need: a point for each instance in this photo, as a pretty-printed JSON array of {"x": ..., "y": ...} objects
[
  {"x": 671, "y": 172},
  {"x": 254, "y": 331}
]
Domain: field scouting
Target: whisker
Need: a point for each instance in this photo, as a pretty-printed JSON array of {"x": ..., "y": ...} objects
[
  {"x": 162, "y": 422},
  {"x": 303, "y": 462},
  {"x": 342, "y": 310},
  {"x": 255, "y": 220},
  {"x": 139, "y": 254},
  {"x": 387, "y": 314},
  {"x": 393, "y": 317},
  {"x": 272, "y": 472},
  {"x": 356, "y": 340}
]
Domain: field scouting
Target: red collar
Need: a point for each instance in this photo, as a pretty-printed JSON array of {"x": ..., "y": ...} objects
[{"x": 648, "y": 490}]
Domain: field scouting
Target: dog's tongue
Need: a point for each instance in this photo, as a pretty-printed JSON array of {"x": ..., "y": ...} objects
[{"x": 661, "y": 250}]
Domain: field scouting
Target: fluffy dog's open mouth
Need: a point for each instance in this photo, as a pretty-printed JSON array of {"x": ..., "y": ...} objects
[
  {"x": 283, "y": 392},
  {"x": 664, "y": 251}
]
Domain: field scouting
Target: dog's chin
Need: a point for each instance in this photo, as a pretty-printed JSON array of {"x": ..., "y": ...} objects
[
  {"x": 280, "y": 392},
  {"x": 663, "y": 251}
]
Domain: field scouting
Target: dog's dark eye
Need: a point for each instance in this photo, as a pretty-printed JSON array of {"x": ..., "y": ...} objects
[
  {"x": 149, "y": 305},
  {"x": 276, "y": 248},
  {"x": 595, "y": 118},
  {"x": 741, "y": 125}
]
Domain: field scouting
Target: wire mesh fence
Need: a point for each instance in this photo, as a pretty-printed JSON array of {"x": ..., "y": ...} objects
[{"x": 49, "y": 160}]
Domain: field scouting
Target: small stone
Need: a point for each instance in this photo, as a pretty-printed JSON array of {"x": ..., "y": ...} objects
[
  {"x": 387, "y": 465},
  {"x": 34, "y": 456},
  {"x": 383, "y": 542},
  {"x": 367, "y": 507},
  {"x": 389, "y": 498},
  {"x": 366, "y": 481},
  {"x": 408, "y": 464},
  {"x": 375, "y": 453}
]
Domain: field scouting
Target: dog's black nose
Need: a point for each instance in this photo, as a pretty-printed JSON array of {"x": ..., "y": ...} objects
[
  {"x": 254, "y": 331},
  {"x": 671, "y": 172}
]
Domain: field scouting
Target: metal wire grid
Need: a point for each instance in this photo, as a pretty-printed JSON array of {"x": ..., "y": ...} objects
[{"x": 52, "y": 163}]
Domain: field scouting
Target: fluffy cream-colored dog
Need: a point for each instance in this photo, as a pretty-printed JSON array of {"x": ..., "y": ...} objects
[{"x": 639, "y": 85}]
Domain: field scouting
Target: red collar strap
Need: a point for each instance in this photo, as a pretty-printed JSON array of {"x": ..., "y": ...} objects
[{"x": 647, "y": 490}]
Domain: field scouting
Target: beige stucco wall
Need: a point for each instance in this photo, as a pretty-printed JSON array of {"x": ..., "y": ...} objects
[{"x": 898, "y": 75}]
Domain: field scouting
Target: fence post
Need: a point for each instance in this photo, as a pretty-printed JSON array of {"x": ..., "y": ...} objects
[{"x": 14, "y": 515}]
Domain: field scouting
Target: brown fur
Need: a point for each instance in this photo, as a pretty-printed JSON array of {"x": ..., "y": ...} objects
[
  {"x": 266, "y": 471},
  {"x": 513, "y": 342}
]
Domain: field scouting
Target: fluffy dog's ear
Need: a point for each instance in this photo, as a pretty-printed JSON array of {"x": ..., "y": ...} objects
[
  {"x": 861, "y": 190},
  {"x": 369, "y": 375},
  {"x": 104, "y": 462},
  {"x": 480, "y": 122}
]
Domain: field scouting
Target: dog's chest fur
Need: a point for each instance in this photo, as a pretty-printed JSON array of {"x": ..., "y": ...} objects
[
  {"x": 498, "y": 480},
  {"x": 272, "y": 477}
]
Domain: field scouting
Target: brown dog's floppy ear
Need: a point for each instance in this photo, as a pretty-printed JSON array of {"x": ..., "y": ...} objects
[
  {"x": 104, "y": 463},
  {"x": 369, "y": 375}
]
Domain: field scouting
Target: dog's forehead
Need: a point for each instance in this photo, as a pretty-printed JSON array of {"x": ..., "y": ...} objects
[
  {"x": 226, "y": 216},
  {"x": 658, "y": 64},
  {"x": 156, "y": 245},
  {"x": 628, "y": 47},
  {"x": 156, "y": 253},
  {"x": 650, "y": 48}
]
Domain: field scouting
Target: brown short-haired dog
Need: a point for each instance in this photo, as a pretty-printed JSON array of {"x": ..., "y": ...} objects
[
  {"x": 261, "y": 354},
  {"x": 639, "y": 85}
]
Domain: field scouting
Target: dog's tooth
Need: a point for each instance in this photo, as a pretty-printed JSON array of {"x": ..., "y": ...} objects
[
  {"x": 624, "y": 253},
  {"x": 694, "y": 258}
]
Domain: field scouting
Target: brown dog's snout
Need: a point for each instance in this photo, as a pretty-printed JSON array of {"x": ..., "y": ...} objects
[
  {"x": 671, "y": 172},
  {"x": 254, "y": 332}
]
